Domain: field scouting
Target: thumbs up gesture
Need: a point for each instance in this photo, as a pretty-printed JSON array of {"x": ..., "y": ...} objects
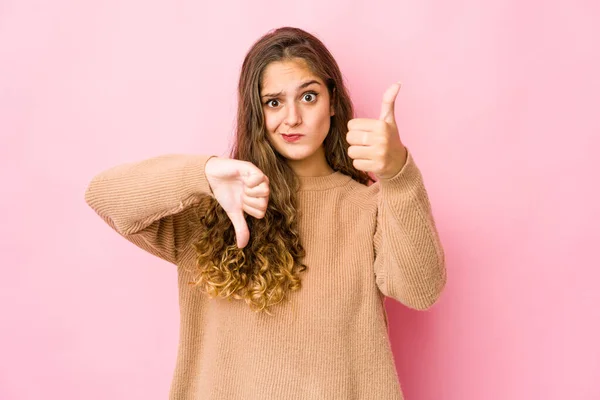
[
  {"x": 375, "y": 144},
  {"x": 239, "y": 187}
]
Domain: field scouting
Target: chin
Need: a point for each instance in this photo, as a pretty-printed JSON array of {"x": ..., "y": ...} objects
[{"x": 295, "y": 156}]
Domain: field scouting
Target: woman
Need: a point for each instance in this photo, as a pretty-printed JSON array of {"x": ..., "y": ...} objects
[{"x": 285, "y": 251}]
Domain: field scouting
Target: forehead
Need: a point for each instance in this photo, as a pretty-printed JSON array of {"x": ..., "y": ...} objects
[{"x": 279, "y": 74}]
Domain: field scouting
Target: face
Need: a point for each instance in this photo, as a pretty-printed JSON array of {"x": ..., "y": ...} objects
[{"x": 295, "y": 101}]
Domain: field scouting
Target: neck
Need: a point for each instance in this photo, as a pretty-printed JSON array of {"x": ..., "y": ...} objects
[{"x": 313, "y": 166}]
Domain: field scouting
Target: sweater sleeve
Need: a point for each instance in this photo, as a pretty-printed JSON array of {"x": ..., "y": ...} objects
[
  {"x": 409, "y": 258},
  {"x": 151, "y": 202}
]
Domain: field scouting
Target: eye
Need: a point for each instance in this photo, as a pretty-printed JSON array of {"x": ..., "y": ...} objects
[
  {"x": 269, "y": 102},
  {"x": 313, "y": 94}
]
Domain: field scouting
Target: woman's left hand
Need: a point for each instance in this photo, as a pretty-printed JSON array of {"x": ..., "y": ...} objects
[{"x": 375, "y": 144}]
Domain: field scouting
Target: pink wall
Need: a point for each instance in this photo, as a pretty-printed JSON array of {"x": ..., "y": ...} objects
[{"x": 500, "y": 106}]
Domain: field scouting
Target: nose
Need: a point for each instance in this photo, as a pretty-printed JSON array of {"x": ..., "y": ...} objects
[{"x": 293, "y": 115}]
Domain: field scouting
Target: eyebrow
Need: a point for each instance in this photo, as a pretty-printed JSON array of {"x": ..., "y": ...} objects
[{"x": 302, "y": 86}]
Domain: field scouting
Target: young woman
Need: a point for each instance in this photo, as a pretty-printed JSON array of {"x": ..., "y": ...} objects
[{"x": 286, "y": 250}]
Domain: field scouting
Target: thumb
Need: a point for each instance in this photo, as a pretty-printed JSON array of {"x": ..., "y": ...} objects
[
  {"x": 242, "y": 234},
  {"x": 387, "y": 105}
]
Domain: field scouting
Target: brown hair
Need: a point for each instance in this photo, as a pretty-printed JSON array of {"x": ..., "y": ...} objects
[{"x": 269, "y": 267}]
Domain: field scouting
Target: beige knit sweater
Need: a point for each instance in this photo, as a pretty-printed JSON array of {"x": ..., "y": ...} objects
[{"x": 330, "y": 341}]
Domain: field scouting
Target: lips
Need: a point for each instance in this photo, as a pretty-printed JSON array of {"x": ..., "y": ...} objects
[{"x": 291, "y": 137}]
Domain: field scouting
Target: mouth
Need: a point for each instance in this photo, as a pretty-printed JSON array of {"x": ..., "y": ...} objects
[{"x": 292, "y": 137}]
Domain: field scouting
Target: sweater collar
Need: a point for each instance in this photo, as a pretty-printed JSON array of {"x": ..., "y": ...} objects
[{"x": 325, "y": 182}]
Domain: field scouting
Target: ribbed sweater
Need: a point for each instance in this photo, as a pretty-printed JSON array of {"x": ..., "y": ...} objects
[{"x": 330, "y": 340}]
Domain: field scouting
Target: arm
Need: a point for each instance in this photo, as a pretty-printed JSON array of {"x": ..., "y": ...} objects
[
  {"x": 409, "y": 258},
  {"x": 151, "y": 202}
]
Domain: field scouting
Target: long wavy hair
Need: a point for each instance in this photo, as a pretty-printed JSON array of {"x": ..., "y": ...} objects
[{"x": 270, "y": 266}]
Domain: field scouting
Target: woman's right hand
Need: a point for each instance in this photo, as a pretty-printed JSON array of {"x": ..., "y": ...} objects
[{"x": 238, "y": 186}]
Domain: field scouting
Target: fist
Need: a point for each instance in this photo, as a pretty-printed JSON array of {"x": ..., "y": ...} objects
[
  {"x": 239, "y": 187},
  {"x": 375, "y": 144}
]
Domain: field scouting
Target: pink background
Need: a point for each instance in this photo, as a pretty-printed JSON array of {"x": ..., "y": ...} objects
[{"x": 500, "y": 107}]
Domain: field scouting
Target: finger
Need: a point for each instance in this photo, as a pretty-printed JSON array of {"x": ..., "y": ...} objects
[
  {"x": 360, "y": 152},
  {"x": 364, "y": 165},
  {"x": 262, "y": 190},
  {"x": 359, "y": 138},
  {"x": 260, "y": 203},
  {"x": 255, "y": 212},
  {"x": 364, "y": 124},
  {"x": 242, "y": 234},
  {"x": 253, "y": 179},
  {"x": 387, "y": 104}
]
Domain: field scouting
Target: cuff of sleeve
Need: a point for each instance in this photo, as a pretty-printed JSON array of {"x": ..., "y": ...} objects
[
  {"x": 195, "y": 176},
  {"x": 406, "y": 189},
  {"x": 408, "y": 174}
]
